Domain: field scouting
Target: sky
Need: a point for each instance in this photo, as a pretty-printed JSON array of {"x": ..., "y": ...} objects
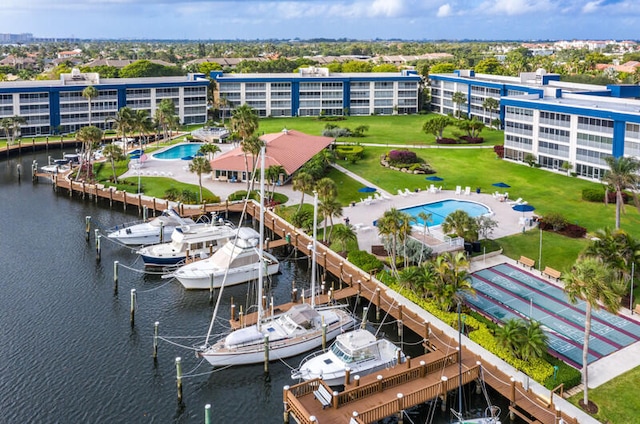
[{"x": 305, "y": 19}]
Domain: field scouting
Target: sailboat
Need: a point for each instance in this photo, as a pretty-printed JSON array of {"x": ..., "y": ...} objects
[
  {"x": 492, "y": 412},
  {"x": 297, "y": 330}
]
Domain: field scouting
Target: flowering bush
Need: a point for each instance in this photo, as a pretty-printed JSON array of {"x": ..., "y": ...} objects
[{"x": 403, "y": 157}]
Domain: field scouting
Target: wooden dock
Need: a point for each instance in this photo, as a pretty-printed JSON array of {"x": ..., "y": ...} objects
[{"x": 419, "y": 381}]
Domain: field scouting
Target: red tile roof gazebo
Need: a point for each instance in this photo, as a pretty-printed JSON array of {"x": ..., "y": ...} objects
[{"x": 290, "y": 149}]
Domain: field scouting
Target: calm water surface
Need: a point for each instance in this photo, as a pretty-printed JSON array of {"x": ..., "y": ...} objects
[{"x": 69, "y": 353}]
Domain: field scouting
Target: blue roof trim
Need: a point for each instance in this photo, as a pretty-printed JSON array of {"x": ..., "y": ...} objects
[{"x": 573, "y": 110}]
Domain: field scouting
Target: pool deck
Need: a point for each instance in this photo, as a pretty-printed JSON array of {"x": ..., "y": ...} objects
[{"x": 362, "y": 215}]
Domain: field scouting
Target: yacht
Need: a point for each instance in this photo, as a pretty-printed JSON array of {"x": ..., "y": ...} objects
[
  {"x": 198, "y": 241},
  {"x": 358, "y": 350},
  {"x": 290, "y": 333},
  {"x": 154, "y": 231},
  {"x": 236, "y": 262}
]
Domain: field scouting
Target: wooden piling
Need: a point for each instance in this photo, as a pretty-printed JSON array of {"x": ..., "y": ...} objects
[
  {"x": 285, "y": 415},
  {"x": 207, "y": 414},
  {"x": 156, "y": 326},
  {"x": 266, "y": 354},
  {"x": 115, "y": 276},
  {"x": 179, "y": 378},
  {"x": 98, "y": 246},
  {"x": 347, "y": 376},
  {"x": 233, "y": 312},
  {"x": 132, "y": 308},
  {"x": 443, "y": 391},
  {"x": 400, "y": 408},
  {"x": 324, "y": 336},
  {"x": 378, "y": 303},
  {"x": 87, "y": 226},
  {"x": 211, "y": 289}
]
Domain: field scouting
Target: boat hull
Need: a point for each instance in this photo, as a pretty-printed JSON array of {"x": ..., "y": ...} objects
[
  {"x": 278, "y": 349},
  {"x": 138, "y": 239},
  {"x": 202, "y": 280}
]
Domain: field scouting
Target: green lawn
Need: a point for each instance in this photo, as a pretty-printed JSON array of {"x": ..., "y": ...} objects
[
  {"x": 400, "y": 129},
  {"x": 617, "y": 400}
]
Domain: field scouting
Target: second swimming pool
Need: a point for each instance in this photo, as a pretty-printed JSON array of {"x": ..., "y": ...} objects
[
  {"x": 439, "y": 210},
  {"x": 179, "y": 151}
]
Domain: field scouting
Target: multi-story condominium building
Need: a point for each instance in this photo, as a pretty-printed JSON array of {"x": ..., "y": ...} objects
[
  {"x": 52, "y": 107},
  {"x": 316, "y": 91},
  {"x": 562, "y": 125}
]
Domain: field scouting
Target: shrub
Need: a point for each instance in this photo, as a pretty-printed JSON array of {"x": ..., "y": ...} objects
[
  {"x": 402, "y": 157},
  {"x": 447, "y": 141},
  {"x": 574, "y": 231},
  {"x": 350, "y": 152},
  {"x": 365, "y": 261},
  {"x": 593, "y": 195},
  {"x": 555, "y": 219},
  {"x": 337, "y": 132},
  {"x": 499, "y": 149}
]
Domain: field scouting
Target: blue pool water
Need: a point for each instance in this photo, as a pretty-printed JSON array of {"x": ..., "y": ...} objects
[
  {"x": 179, "y": 151},
  {"x": 440, "y": 210}
]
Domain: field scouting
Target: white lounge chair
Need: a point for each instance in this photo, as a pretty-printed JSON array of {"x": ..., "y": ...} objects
[
  {"x": 467, "y": 191},
  {"x": 385, "y": 197},
  {"x": 407, "y": 192},
  {"x": 458, "y": 190},
  {"x": 516, "y": 202},
  {"x": 402, "y": 193},
  {"x": 432, "y": 188}
]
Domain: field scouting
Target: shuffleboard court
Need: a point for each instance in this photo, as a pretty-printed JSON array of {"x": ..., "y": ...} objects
[{"x": 505, "y": 292}]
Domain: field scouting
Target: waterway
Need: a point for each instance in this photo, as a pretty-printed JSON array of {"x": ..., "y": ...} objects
[{"x": 69, "y": 352}]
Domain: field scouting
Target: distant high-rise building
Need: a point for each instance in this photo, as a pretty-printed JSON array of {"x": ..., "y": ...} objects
[{"x": 16, "y": 38}]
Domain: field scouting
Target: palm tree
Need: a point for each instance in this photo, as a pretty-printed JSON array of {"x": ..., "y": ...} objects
[
  {"x": 90, "y": 93},
  {"x": 622, "y": 174},
  {"x": 123, "y": 121},
  {"x": 390, "y": 227},
  {"x": 490, "y": 104},
  {"x": 452, "y": 280},
  {"x": 165, "y": 116},
  {"x": 417, "y": 278},
  {"x": 223, "y": 104},
  {"x": 595, "y": 283},
  {"x": 11, "y": 126},
  {"x": 343, "y": 234},
  {"x": 303, "y": 182},
  {"x": 244, "y": 122},
  {"x": 273, "y": 176},
  {"x": 90, "y": 136},
  {"x": 330, "y": 208},
  {"x": 113, "y": 153},
  {"x": 200, "y": 165},
  {"x": 141, "y": 122},
  {"x": 459, "y": 98},
  {"x": 426, "y": 218},
  {"x": 509, "y": 336},
  {"x": 327, "y": 193},
  {"x": 617, "y": 248},
  {"x": 534, "y": 341},
  {"x": 251, "y": 147},
  {"x": 209, "y": 149},
  {"x": 460, "y": 223}
]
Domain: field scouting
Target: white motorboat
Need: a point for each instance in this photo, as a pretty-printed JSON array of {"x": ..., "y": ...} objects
[
  {"x": 358, "y": 350},
  {"x": 236, "y": 262},
  {"x": 297, "y": 330},
  {"x": 56, "y": 166},
  {"x": 154, "y": 231},
  {"x": 197, "y": 240}
]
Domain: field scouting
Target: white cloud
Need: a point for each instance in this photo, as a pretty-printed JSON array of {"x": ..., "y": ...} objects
[
  {"x": 444, "y": 11},
  {"x": 515, "y": 7},
  {"x": 591, "y": 6}
]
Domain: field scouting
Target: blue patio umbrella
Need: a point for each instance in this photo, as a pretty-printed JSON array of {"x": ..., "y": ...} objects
[
  {"x": 523, "y": 208},
  {"x": 434, "y": 178},
  {"x": 366, "y": 190},
  {"x": 501, "y": 184}
]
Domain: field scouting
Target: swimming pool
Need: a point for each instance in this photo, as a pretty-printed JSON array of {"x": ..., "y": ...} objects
[
  {"x": 439, "y": 210},
  {"x": 179, "y": 151}
]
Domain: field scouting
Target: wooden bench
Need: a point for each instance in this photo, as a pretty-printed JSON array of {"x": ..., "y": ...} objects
[
  {"x": 526, "y": 261},
  {"x": 323, "y": 396},
  {"x": 550, "y": 272}
]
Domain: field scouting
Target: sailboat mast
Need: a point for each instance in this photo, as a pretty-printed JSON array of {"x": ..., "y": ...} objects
[
  {"x": 459, "y": 359},
  {"x": 261, "y": 241},
  {"x": 313, "y": 249}
]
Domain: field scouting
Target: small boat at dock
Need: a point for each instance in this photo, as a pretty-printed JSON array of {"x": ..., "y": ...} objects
[
  {"x": 154, "y": 231},
  {"x": 357, "y": 350},
  {"x": 196, "y": 240},
  {"x": 236, "y": 262}
]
